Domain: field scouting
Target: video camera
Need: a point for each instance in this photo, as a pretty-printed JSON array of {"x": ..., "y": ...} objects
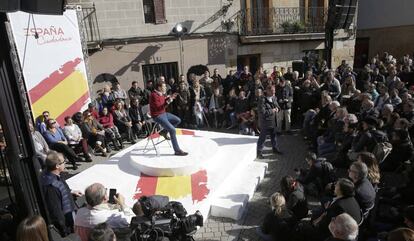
[{"x": 164, "y": 219}]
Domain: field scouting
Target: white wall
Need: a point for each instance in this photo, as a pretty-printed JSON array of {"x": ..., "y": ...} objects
[{"x": 385, "y": 13}]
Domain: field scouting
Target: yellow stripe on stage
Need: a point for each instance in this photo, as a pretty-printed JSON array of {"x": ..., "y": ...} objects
[
  {"x": 178, "y": 131},
  {"x": 62, "y": 96},
  {"x": 174, "y": 187}
]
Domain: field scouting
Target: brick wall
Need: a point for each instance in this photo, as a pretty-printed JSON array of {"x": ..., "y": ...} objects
[{"x": 125, "y": 18}]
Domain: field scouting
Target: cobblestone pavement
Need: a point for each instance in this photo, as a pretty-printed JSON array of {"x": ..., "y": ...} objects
[{"x": 294, "y": 150}]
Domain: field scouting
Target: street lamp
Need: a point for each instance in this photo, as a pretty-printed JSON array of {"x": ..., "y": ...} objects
[{"x": 179, "y": 30}]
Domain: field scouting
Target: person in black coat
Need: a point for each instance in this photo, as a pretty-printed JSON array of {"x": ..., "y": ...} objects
[
  {"x": 294, "y": 193},
  {"x": 310, "y": 178},
  {"x": 138, "y": 119},
  {"x": 267, "y": 109},
  {"x": 402, "y": 151},
  {"x": 344, "y": 202},
  {"x": 364, "y": 191},
  {"x": 278, "y": 224}
]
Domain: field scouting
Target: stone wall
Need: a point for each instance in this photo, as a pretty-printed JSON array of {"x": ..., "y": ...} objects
[
  {"x": 395, "y": 40},
  {"x": 125, "y": 18}
]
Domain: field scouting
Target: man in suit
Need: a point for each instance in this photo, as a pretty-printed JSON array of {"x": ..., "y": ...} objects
[{"x": 267, "y": 109}]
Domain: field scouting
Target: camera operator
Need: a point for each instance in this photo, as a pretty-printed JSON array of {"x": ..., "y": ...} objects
[{"x": 98, "y": 210}]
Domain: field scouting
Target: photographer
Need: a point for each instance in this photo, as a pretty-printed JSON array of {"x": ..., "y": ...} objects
[{"x": 98, "y": 210}]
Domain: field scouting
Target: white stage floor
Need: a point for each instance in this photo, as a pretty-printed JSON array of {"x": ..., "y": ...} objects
[{"x": 214, "y": 160}]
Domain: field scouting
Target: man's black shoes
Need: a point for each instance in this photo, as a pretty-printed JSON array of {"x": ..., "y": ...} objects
[
  {"x": 277, "y": 151},
  {"x": 181, "y": 153},
  {"x": 260, "y": 155}
]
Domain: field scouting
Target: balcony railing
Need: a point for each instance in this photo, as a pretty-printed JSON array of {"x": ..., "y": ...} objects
[
  {"x": 282, "y": 20},
  {"x": 90, "y": 26}
]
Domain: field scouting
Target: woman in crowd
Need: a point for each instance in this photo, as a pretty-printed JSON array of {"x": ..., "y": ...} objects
[
  {"x": 123, "y": 121},
  {"x": 111, "y": 131},
  {"x": 278, "y": 224},
  {"x": 94, "y": 133},
  {"x": 32, "y": 229},
  {"x": 58, "y": 142},
  {"x": 73, "y": 135},
  {"x": 107, "y": 97},
  {"x": 369, "y": 159}
]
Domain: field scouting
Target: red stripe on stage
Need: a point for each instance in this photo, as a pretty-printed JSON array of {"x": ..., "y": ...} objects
[
  {"x": 153, "y": 136},
  {"x": 186, "y": 132},
  {"x": 146, "y": 186},
  {"x": 54, "y": 79},
  {"x": 75, "y": 107},
  {"x": 199, "y": 186}
]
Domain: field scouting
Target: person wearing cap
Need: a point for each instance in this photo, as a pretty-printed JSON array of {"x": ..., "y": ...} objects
[
  {"x": 344, "y": 144},
  {"x": 368, "y": 137}
]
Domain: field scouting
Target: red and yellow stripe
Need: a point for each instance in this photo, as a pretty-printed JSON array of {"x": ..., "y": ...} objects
[{"x": 63, "y": 93}]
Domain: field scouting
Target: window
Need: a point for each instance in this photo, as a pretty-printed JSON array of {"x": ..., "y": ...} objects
[
  {"x": 153, "y": 71},
  {"x": 154, "y": 11}
]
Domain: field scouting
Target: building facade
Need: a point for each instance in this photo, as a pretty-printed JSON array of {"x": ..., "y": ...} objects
[
  {"x": 138, "y": 42},
  {"x": 384, "y": 26}
]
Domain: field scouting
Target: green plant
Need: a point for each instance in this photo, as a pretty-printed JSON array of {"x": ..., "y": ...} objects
[
  {"x": 293, "y": 26},
  {"x": 298, "y": 26}
]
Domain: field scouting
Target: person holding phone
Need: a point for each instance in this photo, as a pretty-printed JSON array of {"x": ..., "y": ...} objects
[
  {"x": 99, "y": 210},
  {"x": 158, "y": 102}
]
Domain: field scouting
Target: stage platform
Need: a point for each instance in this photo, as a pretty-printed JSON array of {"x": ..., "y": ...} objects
[{"x": 218, "y": 174}]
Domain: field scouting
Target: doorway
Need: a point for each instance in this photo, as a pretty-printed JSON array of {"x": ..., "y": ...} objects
[
  {"x": 251, "y": 60},
  {"x": 361, "y": 52}
]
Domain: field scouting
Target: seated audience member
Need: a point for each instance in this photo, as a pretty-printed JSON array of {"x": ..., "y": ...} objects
[
  {"x": 41, "y": 122},
  {"x": 98, "y": 210},
  {"x": 40, "y": 145},
  {"x": 73, "y": 135},
  {"x": 401, "y": 234},
  {"x": 402, "y": 151},
  {"x": 345, "y": 143},
  {"x": 364, "y": 191},
  {"x": 32, "y": 229},
  {"x": 107, "y": 97},
  {"x": 344, "y": 202},
  {"x": 295, "y": 195},
  {"x": 374, "y": 174},
  {"x": 102, "y": 232},
  {"x": 111, "y": 131},
  {"x": 123, "y": 121},
  {"x": 92, "y": 109},
  {"x": 197, "y": 101},
  {"x": 369, "y": 136},
  {"x": 312, "y": 178},
  {"x": 409, "y": 217},
  {"x": 343, "y": 228},
  {"x": 57, "y": 193},
  {"x": 94, "y": 133},
  {"x": 57, "y": 141},
  {"x": 138, "y": 119},
  {"x": 230, "y": 112},
  {"x": 277, "y": 224}
]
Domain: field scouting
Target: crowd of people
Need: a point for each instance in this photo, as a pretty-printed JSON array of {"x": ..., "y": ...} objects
[{"x": 359, "y": 121}]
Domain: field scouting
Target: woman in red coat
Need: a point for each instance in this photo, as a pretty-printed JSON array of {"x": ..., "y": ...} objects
[{"x": 111, "y": 131}]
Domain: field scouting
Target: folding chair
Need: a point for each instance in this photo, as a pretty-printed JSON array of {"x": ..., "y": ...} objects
[{"x": 153, "y": 133}]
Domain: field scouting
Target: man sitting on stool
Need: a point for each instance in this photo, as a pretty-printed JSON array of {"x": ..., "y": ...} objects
[{"x": 158, "y": 102}]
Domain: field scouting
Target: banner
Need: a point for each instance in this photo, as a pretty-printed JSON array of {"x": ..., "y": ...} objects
[{"x": 50, "y": 54}]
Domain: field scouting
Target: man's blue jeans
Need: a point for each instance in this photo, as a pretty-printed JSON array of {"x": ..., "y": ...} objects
[
  {"x": 169, "y": 121},
  {"x": 262, "y": 138}
]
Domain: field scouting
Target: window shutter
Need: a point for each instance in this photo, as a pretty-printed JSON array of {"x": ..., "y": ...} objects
[{"x": 159, "y": 10}]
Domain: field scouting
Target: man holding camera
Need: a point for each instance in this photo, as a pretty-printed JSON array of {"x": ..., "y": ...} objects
[{"x": 99, "y": 210}]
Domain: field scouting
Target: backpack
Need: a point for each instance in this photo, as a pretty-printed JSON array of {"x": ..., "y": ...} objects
[{"x": 382, "y": 147}]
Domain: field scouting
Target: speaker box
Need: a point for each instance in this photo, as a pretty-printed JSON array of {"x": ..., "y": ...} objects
[
  {"x": 54, "y": 7},
  {"x": 341, "y": 13},
  {"x": 299, "y": 66}
]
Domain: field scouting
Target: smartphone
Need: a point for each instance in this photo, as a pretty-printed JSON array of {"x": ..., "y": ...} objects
[{"x": 112, "y": 193}]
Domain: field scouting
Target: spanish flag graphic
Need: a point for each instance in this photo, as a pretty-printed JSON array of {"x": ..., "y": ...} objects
[
  {"x": 62, "y": 93},
  {"x": 176, "y": 187}
]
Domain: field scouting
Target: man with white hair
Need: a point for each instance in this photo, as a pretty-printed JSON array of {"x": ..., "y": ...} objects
[
  {"x": 364, "y": 191},
  {"x": 343, "y": 228},
  {"x": 98, "y": 210}
]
